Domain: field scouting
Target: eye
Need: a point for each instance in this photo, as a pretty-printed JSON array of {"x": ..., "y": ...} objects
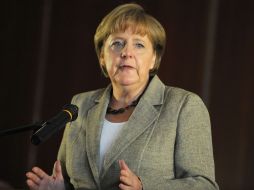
[
  {"x": 139, "y": 45},
  {"x": 118, "y": 44}
]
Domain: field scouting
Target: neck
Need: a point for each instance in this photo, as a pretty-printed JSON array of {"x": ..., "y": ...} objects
[{"x": 124, "y": 95}]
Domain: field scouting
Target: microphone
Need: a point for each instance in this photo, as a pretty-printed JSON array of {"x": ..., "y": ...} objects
[{"x": 48, "y": 128}]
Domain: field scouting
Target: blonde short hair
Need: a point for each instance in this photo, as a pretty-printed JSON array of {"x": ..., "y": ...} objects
[{"x": 131, "y": 15}]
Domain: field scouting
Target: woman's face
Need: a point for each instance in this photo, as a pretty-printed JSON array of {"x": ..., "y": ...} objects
[{"x": 128, "y": 57}]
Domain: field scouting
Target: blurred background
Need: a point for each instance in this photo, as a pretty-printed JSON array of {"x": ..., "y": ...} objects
[{"x": 48, "y": 56}]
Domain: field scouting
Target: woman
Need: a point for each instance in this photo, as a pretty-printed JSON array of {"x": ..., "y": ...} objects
[{"x": 137, "y": 133}]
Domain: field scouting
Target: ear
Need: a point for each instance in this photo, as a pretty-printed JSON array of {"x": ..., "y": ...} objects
[
  {"x": 153, "y": 61},
  {"x": 101, "y": 59}
]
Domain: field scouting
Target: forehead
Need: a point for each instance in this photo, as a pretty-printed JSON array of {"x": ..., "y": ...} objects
[{"x": 129, "y": 33}]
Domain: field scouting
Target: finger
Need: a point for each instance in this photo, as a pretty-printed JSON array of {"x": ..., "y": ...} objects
[
  {"x": 124, "y": 187},
  {"x": 39, "y": 172},
  {"x": 125, "y": 173},
  {"x": 123, "y": 165},
  {"x": 33, "y": 177},
  {"x": 125, "y": 180},
  {"x": 58, "y": 170},
  {"x": 32, "y": 185},
  {"x": 120, "y": 164}
]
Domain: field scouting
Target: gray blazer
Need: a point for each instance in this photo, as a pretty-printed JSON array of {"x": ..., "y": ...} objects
[{"x": 166, "y": 142}]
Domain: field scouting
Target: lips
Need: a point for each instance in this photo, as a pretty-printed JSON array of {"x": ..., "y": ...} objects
[{"x": 127, "y": 66}]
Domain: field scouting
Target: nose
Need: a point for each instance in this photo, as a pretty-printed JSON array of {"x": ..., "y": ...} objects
[{"x": 127, "y": 52}]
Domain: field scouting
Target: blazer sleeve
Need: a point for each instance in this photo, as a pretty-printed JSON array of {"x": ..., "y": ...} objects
[
  {"x": 193, "y": 155},
  {"x": 62, "y": 158},
  {"x": 62, "y": 155}
]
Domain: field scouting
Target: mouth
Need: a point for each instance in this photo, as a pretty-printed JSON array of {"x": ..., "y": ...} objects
[
  {"x": 126, "y": 68},
  {"x": 123, "y": 66}
]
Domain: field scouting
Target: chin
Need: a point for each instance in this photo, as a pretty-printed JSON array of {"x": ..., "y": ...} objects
[{"x": 127, "y": 82}]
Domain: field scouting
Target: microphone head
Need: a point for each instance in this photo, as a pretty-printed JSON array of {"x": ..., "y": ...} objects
[
  {"x": 48, "y": 128},
  {"x": 72, "y": 109}
]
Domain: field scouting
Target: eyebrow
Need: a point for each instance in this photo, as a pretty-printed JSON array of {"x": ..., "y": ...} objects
[
  {"x": 122, "y": 38},
  {"x": 137, "y": 39}
]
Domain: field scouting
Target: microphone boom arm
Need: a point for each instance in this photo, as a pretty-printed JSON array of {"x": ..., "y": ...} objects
[
  {"x": 43, "y": 130},
  {"x": 6, "y": 132}
]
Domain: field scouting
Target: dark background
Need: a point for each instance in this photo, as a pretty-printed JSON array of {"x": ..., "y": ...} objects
[{"x": 48, "y": 56}]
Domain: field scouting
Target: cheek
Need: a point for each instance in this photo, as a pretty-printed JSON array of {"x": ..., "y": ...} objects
[
  {"x": 149, "y": 63},
  {"x": 111, "y": 64},
  {"x": 107, "y": 60}
]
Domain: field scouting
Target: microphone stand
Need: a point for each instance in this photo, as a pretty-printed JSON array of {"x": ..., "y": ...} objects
[{"x": 20, "y": 129}]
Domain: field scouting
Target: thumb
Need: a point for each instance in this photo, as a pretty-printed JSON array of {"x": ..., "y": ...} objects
[
  {"x": 123, "y": 165},
  {"x": 58, "y": 170}
]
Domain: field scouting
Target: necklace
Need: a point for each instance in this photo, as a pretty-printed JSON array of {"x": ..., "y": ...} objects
[{"x": 121, "y": 110}]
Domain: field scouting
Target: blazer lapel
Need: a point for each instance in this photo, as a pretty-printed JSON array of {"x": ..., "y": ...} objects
[
  {"x": 93, "y": 126},
  {"x": 143, "y": 116}
]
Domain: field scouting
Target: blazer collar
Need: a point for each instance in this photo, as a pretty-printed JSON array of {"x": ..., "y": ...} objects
[
  {"x": 143, "y": 116},
  {"x": 93, "y": 125},
  {"x": 154, "y": 92}
]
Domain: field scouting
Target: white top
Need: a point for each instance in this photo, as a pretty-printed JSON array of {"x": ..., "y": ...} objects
[{"x": 110, "y": 132}]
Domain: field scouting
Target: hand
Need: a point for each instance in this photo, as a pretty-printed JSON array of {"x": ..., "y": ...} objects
[
  {"x": 39, "y": 180},
  {"x": 129, "y": 181}
]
